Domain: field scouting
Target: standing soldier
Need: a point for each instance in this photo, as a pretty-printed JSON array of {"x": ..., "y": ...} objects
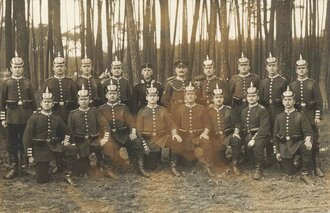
[
  {"x": 239, "y": 83},
  {"x": 173, "y": 95},
  {"x": 255, "y": 128},
  {"x": 270, "y": 91},
  {"x": 93, "y": 85},
  {"x": 43, "y": 135},
  {"x": 192, "y": 123},
  {"x": 208, "y": 84},
  {"x": 17, "y": 105},
  {"x": 224, "y": 130},
  {"x": 63, "y": 89},
  {"x": 293, "y": 135},
  {"x": 123, "y": 86},
  {"x": 309, "y": 100},
  {"x": 157, "y": 129},
  {"x": 139, "y": 91}
]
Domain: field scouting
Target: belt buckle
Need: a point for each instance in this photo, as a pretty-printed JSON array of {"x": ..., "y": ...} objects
[
  {"x": 86, "y": 136},
  {"x": 220, "y": 132},
  {"x": 270, "y": 101},
  {"x": 191, "y": 131},
  {"x": 244, "y": 99},
  {"x": 113, "y": 130},
  {"x": 287, "y": 138},
  {"x": 61, "y": 103},
  {"x": 303, "y": 104},
  {"x": 48, "y": 140},
  {"x": 154, "y": 134},
  {"x": 20, "y": 102}
]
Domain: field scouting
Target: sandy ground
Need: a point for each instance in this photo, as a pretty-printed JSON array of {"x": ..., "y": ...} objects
[{"x": 162, "y": 192}]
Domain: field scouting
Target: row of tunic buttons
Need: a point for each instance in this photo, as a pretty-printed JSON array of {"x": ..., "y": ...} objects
[
  {"x": 154, "y": 120},
  {"x": 89, "y": 87},
  {"x": 248, "y": 118},
  {"x": 301, "y": 91},
  {"x": 218, "y": 119},
  {"x": 287, "y": 124},
  {"x": 270, "y": 88},
  {"x": 48, "y": 127},
  {"x": 113, "y": 116},
  {"x": 190, "y": 118},
  {"x": 244, "y": 87},
  {"x": 61, "y": 90},
  {"x": 19, "y": 91},
  {"x": 86, "y": 122}
]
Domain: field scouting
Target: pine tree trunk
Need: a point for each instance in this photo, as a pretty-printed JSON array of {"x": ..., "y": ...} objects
[
  {"x": 82, "y": 28},
  {"x": 8, "y": 33},
  {"x": 224, "y": 64},
  {"x": 58, "y": 45},
  {"x": 99, "y": 52}
]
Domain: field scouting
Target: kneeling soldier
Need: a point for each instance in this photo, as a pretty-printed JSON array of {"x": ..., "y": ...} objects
[
  {"x": 293, "y": 135},
  {"x": 43, "y": 135},
  {"x": 224, "y": 127},
  {"x": 157, "y": 129}
]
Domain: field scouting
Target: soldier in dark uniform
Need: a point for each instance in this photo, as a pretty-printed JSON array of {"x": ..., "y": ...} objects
[
  {"x": 191, "y": 123},
  {"x": 139, "y": 91},
  {"x": 42, "y": 137},
  {"x": 17, "y": 105},
  {"x": 239, "y": 83},
  {"x": 84, "y": 127},
  {"x": 63, "y": 89},
  {"x": 93, "y": 85},
  {"x": 293, "y": 135},
  {"x": 270, "y": 91},
  {"x": 123, "y": 86},
  {"x": 121, "y": 126},
  {"x": 173, "y": 95},
  {"x": 208, "y": 84},
  {"x": 157, "y": 129},
  {"x": 255, "y": 129},
  {"x": 309, "y": 100},
  {"x": 224, "y": 128}
]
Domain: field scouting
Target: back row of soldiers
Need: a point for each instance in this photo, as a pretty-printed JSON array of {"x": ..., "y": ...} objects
[{"x": 194, "y": 113}]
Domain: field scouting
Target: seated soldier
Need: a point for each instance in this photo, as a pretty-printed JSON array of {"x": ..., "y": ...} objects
[
  {"x": 157, "y": 130},
  {"x": 293, "y": 135},
  {"x": 43, "y": 136},
  {"x": 223, "y": 128}
]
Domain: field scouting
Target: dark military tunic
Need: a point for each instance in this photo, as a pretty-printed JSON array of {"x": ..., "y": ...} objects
[
  {"x": 155, "y": 126},
  {"x": 206, "y": 90},
  {"x": 173, "y": 95},
  {"x": 84, "y": 128},
  {"x": 94, "y": 87},
  {"x": 290, "y": 130},
  {"x": 270, "y": 95},
  {"x": 139, "y": 94},
  {"x": 238, "y": 85},
  {"x": 124, "y": 89},
  {"x": 64, "y": 91},
  {"x": 17, "y": 100},
  {"x": 44, "y": 133}
]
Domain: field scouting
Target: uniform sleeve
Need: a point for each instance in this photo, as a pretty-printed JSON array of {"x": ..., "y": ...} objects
[
  {"x": 165, "y": 100},
  {"x": 305, "y": 126},
  {"x": 3, "y": 98},
  {"x": 169, "y": 121},
  {"x": 160, "y": 93},
  {"x": 74, "y": 92},
  {"x": 206, "y": 118},
  {"x": 319, "y": 102},
  {"x": 261, "y": 93},
  {"x": 100, "y": 89},
  {"x": 29, "y": 133},
  {"x": 61, "y": 129},
  {"x": 275, "y": 133},
  {"x": 227, "y": 96},
  {"x": 129, "y": 120},
  {"x": 264, "y": 128},
  {"x": 139, "y": 123},
  {"x": 32, "y": 98},
  {"x": 231, "y": 87},
  {"x": 102, "y": 123},
  {"x": 70, "y": 125},
  {"x": 134, "y": 102}
]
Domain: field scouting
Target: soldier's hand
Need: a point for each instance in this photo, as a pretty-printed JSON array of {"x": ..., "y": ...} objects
[
  {"x": 204, "y": 136},
  {"x": 317, "y": 121},
  {"x": 177, "y": 138},
  {"x": 237, "y": 136},
  {"x": 4, "y": 123},
  {"x": 211, "y": 106},
  {"x": 103, "y": 141},
  {"x": 31, "y": 160},
  {"x": 308, "y": 145},
  {"x": 278, "y": 157},
  {"x": 132, "y": 136},
  {"x": 251, "y": 143}
]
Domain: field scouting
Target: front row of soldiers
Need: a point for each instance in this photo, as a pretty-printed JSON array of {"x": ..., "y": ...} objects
[{"x": 215, "y": 127}]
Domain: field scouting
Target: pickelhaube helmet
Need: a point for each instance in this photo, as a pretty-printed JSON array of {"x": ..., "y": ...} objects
[
  {"x": 17, "y": 60},
  {"x": 252, "y": 89},
  {"x": 217, "y": 90},
  {"x": 271, "y": 59},
  {"x": 243, "y": 60},
  {"x": 301, "y": 62},
  {"x": 208, "y": 62},
  {"x": 47, "y": 95},
  {"x": 83, "y": 92},
  {"x": 59, "y": 59},
  {"x": 152, "y": 89},
  {"x": 288, "y": 93},
  {"x": 111, "y": 86},
  {"x": 86, "y": 60},
  {"x": 189, "y": 88},
  {"x": 116, "y": 62}
]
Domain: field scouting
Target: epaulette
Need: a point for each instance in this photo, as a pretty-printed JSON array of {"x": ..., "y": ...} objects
[
  {"x": 261, "y": 106},
  {"x": 283, "y": 78},
  {"x": 310, "y": 79},
  {"x": 75, "y": 110},
  {"x": 171, "y": 78},
  {"x": 49, "y": 78},
  {"x": 229, "y": 107},
  {"x": 199, "y": 78},
  {"x": 94, "y": 108},
  {"x": 200, "y": 105}
]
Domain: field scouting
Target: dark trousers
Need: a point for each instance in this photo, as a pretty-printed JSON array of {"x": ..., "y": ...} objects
[
  {"x": 306, "y": 156},
  {"x": 316, "y": 147},
  {"x": 42, "y": 172},
  {"x": 15, "y": 137}
]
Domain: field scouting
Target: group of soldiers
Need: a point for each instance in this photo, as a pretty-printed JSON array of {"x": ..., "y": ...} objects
[{"x": 245, "y": 119}]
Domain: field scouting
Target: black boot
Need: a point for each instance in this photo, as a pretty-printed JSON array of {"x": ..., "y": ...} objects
[
  {"x": 141, "y": 170},
  {"x": 305, "y": 167},
  {"x": 13, "y": 161},
  {"x": 258, "y": 172},
  {"x": 317, "y": 166},
  {"x": 174, "y": 161},
  {"x": 235, "y": 168}
]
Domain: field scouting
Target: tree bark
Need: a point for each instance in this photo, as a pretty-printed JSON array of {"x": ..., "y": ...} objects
[
  {"x": 58, "y": 45},
  {"x": 8, "y": 33},
  {"x": 165, "y": 69},
  {"x": 82, "y": 28},
  {"x": 193, "y": 34},
  {"x": 89, "y": 33},
  {"x": 224, "y": 64},
  {"x": 99, "y": 52}
]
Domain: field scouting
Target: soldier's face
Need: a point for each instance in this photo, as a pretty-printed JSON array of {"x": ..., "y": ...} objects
[
  {"x": 190, "y": 97},
  {"x": 116, "y": 71},
  {"x": 152, "y": 98},
  {"x": 288, "y": 102},
  {"x": 181, "y": 70},
  {"x": 244, "y": 68},
  {"x": 59, "y": 69},
  {"x": 86, "y": 69},
  {"x": 209, "y": 70},
  {"x": 147, "y": 73},
  {"x": 272, "y": 69},
  {"x": 218, "y": 100},
  {"x": 47, "y": 105},
  {"x": 112, "y": 96},
  {"x": 83, "y": 102},
  {"x": 17, "y": 70},
  {"x": 302, "y": 71},
  {"x": 252, "y": 98}
]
